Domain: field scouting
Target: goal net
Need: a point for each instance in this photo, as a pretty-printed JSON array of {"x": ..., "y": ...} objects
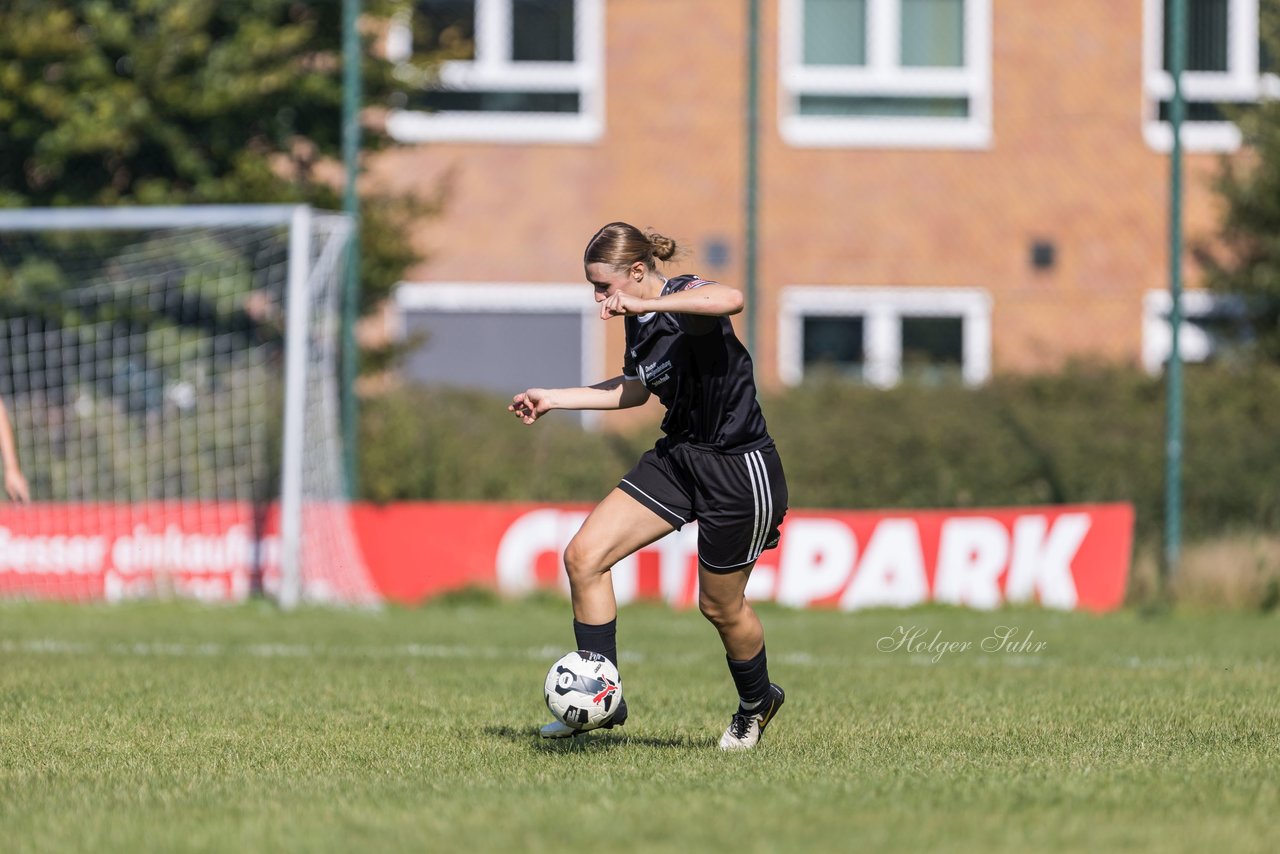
[{"x": 171, "y": 379}]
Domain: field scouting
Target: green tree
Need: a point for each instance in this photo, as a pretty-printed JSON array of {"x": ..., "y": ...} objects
[
  {"x": 1246, "y": 258},
  {"x": 106, "y": 102}
]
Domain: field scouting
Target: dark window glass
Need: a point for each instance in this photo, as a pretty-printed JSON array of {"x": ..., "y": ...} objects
[
  {"x": 1196, "y": 111},
  {"x": 542, "y": 30},
  {"x": 834, "y": 345},
  {"x": 507, "y": 102},
  {"x": 447, "y": 27},
  {"x": 1207, "y": 39},
  {"x": 932, "y": 349},
  {"x": 849, "y": 105}
]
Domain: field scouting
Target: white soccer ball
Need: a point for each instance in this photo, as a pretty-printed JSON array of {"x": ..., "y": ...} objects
[{"x": 583, "y": 690}]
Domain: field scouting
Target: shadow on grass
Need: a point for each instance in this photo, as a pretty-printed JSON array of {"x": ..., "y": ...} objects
[{"x": 600, "y": 740}]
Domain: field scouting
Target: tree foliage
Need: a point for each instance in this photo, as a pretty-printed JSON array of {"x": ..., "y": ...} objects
[
  {"x": 1247, "y": 258},
  {"x": 106, "y": 102}
]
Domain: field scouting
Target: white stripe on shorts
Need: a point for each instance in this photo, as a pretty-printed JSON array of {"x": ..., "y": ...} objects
[
  {"x": 764, "y": 503},
  {"x": 767, "y": 522},
  {"x": 755, "y": 500}
]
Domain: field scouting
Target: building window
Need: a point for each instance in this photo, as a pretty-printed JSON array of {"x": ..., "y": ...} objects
[
  {"x": 501, "y": 338},
  {"x": 834, "y": 344},
  {"x": 1212, "y": 326},
  {"x": 900, "y": 73},
  {"x": 511, "y": 71},
  {"x": 1225, "y": 66},
  {"x": 884, "y": 336}
]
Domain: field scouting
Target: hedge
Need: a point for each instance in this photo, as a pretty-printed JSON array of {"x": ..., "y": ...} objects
[{"x": 1086, "y": 434}]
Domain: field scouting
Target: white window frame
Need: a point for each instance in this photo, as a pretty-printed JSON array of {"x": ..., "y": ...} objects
[
  {"x": 1242, "y": 82},
  {"x": 494, "y": 69},
  {"x": 511, "y": 298},
  {"x": 1193, "y": 343},
  {"x": 883, "y": 309},
  {"x": 884, "y": 76}
]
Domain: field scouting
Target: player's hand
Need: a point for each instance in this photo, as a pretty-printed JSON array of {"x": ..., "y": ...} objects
[
  {"x": 16, "y": 485},
  {"x": 621, "y": 304},
  {"x": 258, "y": 306},
  {"x": 530, "y": 405}
]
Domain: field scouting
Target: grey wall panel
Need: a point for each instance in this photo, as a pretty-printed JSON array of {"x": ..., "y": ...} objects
[{"x": 500, "y": 352}]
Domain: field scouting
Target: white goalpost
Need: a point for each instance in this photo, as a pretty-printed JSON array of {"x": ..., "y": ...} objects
[{"x": 171, "y": 376}]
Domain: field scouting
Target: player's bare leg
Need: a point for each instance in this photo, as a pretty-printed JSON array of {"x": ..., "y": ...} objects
[
  {"x": 722, "y": 600},
  {"x": 617, "y": 527}
]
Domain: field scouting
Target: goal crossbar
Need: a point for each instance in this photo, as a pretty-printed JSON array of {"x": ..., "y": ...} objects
[{"x": 158, "y": 216}]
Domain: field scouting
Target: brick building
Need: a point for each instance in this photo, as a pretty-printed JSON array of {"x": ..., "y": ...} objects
[{"x": 946, "y": 188}]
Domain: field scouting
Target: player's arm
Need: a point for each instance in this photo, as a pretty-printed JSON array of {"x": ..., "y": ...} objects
[
  {"x": 711, "y": 299},
  {"x": 616, "y": 393},
  {"x": 14, "y": 483}
]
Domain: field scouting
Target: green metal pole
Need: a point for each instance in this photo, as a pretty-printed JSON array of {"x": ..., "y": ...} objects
[
  {"x": 351, "y": 59},
  {"x": 1173, "y": 413},
  {"x": 753, "y": 164}
]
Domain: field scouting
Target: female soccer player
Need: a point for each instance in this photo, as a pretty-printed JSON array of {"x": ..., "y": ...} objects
[{"x": 716, "y": 462}]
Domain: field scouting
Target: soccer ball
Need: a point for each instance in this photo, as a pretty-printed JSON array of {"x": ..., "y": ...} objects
[{"x": 583, "y": 690}]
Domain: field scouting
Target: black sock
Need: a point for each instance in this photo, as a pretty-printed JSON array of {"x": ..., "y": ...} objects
[
  {"x": 602, "y": 638},
  {"x": 752, "y": 679}
]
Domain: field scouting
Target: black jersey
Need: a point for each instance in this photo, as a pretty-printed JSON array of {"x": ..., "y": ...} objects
[{"x": 702, "y": 374}]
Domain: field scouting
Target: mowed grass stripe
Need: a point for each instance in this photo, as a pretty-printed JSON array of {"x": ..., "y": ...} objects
[{"x": 168, "y": 726}]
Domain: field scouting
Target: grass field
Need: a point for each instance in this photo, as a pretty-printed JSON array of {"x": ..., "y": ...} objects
[{"x": 177, "y": 727}]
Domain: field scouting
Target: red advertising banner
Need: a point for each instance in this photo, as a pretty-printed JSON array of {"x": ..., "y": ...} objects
[
  {"x": 1061, "y": 556},
  {"x": 203, "y": 550}
]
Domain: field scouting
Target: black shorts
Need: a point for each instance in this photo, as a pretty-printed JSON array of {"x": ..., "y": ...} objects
[{"x": 738, "y": 500}]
